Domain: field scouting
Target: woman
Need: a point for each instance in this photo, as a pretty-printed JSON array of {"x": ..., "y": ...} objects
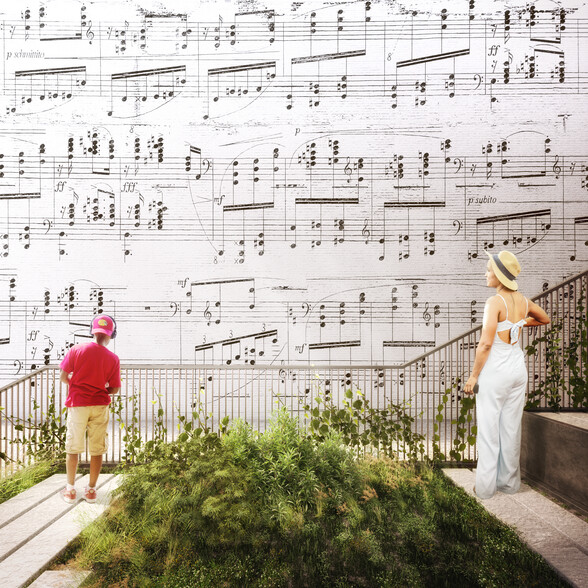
[{"x": 501, "y": 373}]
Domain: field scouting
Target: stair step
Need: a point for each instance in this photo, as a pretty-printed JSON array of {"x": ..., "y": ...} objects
[
  {"x": 21, "y": 503},
  {"x": 27, "y": 560},
  {"x": 31, "y": 522},
  {"x": 60, "y": 579}
]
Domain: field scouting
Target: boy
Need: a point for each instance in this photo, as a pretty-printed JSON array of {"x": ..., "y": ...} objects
[{"x": 92, "y": 373}]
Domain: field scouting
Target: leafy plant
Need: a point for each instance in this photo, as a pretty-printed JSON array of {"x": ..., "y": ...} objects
[
  {"x": 576, "y": 355},
  {"x": 550, "y": 388},
  {"x": 152, "y": 448},
  {"x": 43, "y": 438},
  {"x": 132, "y": 432},
  {"x": 198, "y": 424},
  {"x": 136, "y": 450},
  {"x": 565, "y": 356},
  {"x": 465, "y": 431},
  {"x": 361, "y": 426}
]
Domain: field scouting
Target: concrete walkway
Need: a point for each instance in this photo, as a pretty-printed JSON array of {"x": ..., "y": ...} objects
[
  {"x": 556, "y": 534},
  {"x": 37, "y": 525}
]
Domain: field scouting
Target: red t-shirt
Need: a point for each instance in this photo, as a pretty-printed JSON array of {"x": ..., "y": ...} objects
[{"x": 93, "y": 367}]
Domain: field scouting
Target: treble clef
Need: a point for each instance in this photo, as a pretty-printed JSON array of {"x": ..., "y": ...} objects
[
  {"x": 556, "y": 167},
  {"x": 207, "y": 313},
  {"x": 90, "y": 32},
  {"x": 427, "y": 314},
  {"x": 347, "y": 169},
  {"x": 365, "y": 232}
]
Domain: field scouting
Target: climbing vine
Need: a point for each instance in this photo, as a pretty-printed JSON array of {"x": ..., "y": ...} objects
[{"x": 564, "y": 359}]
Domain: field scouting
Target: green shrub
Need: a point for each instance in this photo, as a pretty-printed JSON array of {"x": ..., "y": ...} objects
[{"x": 282, "y": 509}]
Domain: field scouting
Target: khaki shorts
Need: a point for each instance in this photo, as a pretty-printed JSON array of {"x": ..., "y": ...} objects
[{"x": 94, "y": 419}]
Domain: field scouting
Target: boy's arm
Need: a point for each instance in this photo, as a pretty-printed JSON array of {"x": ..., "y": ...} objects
[
  {"x": 115, "y": 377},
  {"x": 64, "y": 377}
]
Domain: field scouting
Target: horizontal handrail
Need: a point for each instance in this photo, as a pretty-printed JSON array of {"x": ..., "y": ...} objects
[
  {"x": 272, "y": 366},
  {"x": 29, "y": 376},
  {"x": 560, "y": 285}
]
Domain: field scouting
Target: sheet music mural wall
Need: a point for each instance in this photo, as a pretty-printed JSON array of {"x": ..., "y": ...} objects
[{"x": 248, "y": 182}]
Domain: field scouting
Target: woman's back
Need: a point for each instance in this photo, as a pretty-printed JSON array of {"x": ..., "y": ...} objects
[{"x": 511, "y": 314}]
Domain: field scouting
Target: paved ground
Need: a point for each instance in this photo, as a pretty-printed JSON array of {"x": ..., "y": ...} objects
[{"x": 555, "y": 533}]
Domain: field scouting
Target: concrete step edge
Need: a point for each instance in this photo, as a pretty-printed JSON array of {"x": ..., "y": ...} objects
[
  {"x": 563, "y": 522},
  {"x": 565, "y": 555},
  {"x": 60, "y": 579}
]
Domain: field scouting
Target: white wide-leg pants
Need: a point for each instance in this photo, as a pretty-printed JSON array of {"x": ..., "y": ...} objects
[{"x": 499, "y": 413}]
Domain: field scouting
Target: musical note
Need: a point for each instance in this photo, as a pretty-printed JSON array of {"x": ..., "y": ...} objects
[
  {"x": 238, "y": 81},
  {"x": 144, "y": 86},
  {"x": 47, "y": 85},
  {"x": 580, "y": 245},
  {"x": 513, "y": 229}
]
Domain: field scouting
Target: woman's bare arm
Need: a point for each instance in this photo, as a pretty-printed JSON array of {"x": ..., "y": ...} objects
[
  {"x": 536, "y": 316},
  {"x": 491, "y": 311}
]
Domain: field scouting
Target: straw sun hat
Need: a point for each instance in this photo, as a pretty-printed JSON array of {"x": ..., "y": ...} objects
[{"x": 506, "y": 268}]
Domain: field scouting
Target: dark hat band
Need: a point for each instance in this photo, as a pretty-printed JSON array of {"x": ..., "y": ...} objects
[{"x": 501, "y": 267}]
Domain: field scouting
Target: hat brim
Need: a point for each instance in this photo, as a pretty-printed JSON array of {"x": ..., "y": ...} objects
[
  {"x": 510, "y": 284},
  {"x": 104, "y": 331}
]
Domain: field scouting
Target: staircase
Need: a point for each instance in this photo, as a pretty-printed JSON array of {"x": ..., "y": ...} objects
[{"x": 37, "y": 525}]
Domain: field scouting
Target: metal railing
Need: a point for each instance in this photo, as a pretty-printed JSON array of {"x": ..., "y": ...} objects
[
  {"x": 566, "y": 306},
  {"x": 252, "y": 393}
]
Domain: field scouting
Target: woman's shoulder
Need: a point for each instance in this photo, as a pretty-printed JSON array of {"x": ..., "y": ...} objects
[
  {"x": 494, "y": 305},
  {"x": 495, "y": 300}
]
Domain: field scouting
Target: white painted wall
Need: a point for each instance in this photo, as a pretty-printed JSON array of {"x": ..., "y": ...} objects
[{"x": 289, "y": 182}]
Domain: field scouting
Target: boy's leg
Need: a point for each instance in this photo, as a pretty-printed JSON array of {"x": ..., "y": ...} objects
[
  {"x": 77, "y": 418},
  {"x": 97, "y": 440},
  {"x": 95, "y": 466},
  {"x": 71, "y": 467}
]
